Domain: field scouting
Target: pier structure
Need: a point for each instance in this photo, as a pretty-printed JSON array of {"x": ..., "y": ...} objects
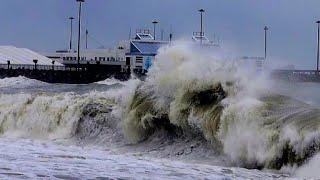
[
  {"x": 296, "y": 75},
  {"x": 24, "y": 62}
]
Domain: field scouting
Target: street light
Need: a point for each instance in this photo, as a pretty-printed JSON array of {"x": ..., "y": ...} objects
[
  {"x": 318, "y": 22},
  {"x": 154, "y": 28},
  {"x": 265, "y": 42},
  {"x": 87, "y": 33},
  {"x": 8, "y": 63},
  {"x": 52, "y": 62},
  {"x": 71, "y": 19},
  {"x": 201, "y": 24},
  {"x": 35, "y": 61},
  {"x": 79, "y": 30}
]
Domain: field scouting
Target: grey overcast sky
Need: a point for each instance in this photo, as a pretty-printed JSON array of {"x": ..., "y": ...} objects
[{"x": 42, "y": 25}]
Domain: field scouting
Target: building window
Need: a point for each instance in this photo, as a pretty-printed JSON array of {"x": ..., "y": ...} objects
[
  {"x": 128, "y": 59},
  {"x": 139, "y": 59}
]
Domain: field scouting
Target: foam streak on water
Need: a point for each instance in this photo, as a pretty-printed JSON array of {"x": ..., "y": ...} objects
[{"x": 20, "y": 159}]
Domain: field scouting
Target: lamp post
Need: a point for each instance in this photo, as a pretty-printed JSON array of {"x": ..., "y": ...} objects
[
  {"x": 71, "y": 24},
  {"x": 201, "y": 24},
  {"x": 318, "y": 22},
  {"x": 154, "y": 28},
  {"x": 8, "y": 63},
  {"x": 35, "y": 61},
  {"x": 53, "y": 65},
  {"x": 265, "y": 42},
  {"x": 79, "y": 31},
  {"x": 87, "y": 33},
  {"x": 170, "y": 35}
]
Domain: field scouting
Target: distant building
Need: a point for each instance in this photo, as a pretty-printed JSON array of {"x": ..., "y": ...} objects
[
  {"x": 142, "y": 51},
  {"x": 92, "y": 57},
  {"x": 23, "y": 58},
  {"x": 136, "y": 54}
]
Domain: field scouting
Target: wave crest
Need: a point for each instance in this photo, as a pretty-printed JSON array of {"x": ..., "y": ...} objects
[{"x": 190, "y": 92}]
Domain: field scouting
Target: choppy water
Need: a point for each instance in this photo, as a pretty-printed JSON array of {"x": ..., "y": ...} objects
[
  {"x": 192, "y": 118},
  {"x": 39, "y": 158},
  {"x": 28, "y": 159}
]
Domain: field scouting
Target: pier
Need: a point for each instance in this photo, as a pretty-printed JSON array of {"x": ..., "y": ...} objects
[
  {"x": 63, "y": 74},
  {"x": 296, "y": 75}
]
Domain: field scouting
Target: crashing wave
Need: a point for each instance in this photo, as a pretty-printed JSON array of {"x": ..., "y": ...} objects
[
  {"x": 188, "y": 93},
  {"x": 191, "y": 93}
]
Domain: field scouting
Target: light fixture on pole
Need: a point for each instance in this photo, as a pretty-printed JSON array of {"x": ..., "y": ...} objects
[
  {"x": 201, "y": 24},
  {"x": 154, "y": 28},
  {"x": 71, "y": 24},
  {"x": 79, "y": 31}
]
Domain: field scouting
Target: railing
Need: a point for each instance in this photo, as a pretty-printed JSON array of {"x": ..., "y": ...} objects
[
  {"x": 51, "y": 67},
  {"x": 301, "y": 72},
  {"x": 33, "y": 67},
  {"x": 144, "y": 31}
]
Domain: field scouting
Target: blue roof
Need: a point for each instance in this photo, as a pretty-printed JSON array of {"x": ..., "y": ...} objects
[{"x": 145, "y": 48}]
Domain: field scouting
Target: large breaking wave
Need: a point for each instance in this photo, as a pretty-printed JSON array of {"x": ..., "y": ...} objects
[{"x": 188, "y": 93}]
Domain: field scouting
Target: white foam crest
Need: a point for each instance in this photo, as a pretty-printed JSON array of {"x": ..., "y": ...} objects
[
  {"x": 240, "y": 131},
  {"x": 180, "y": 64},
  {"x": 181, "y": 68},
  {"x": 20, "y": 81},
  {"x": 110, "y": 81}
]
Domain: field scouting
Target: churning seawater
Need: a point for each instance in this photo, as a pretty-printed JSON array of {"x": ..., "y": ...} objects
[
  {"x": 33, "y": 145},
  {"x": 194, "y": 117}
]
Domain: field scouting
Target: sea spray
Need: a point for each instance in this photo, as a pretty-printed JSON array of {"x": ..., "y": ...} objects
[{"x": 225, "y": 102}]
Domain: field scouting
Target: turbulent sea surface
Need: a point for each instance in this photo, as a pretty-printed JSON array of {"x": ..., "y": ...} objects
[{"x": 194, "y": 117}]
